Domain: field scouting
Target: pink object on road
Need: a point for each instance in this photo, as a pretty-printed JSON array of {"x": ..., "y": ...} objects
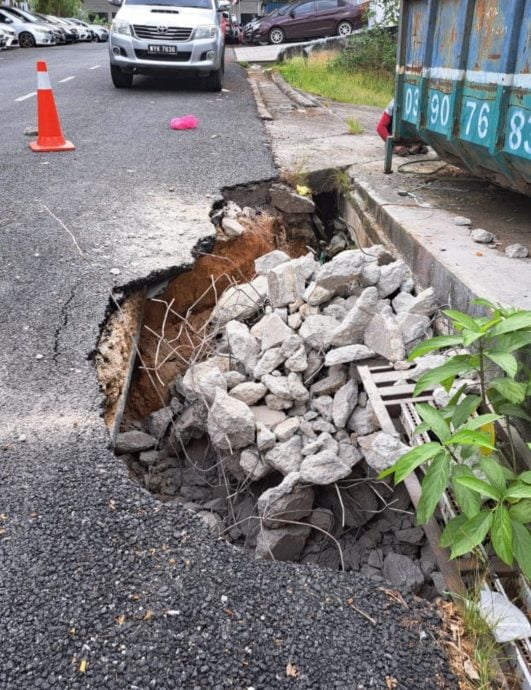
[{"x": 185, "y": 122}]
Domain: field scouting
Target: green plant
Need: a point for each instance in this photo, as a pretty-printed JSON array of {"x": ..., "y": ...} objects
[
  {"x": 244, "y": 64},
  {"x": 323, "y": 75},
  {"x": 354, "y": 126},
  {"x": 371, "y": 51},
  {"x": 495, "y": 501}
]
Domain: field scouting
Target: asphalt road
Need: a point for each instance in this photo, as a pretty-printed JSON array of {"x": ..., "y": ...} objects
[{"x": 100, "y": 585}]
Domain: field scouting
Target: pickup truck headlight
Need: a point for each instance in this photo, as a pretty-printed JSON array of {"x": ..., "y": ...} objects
[
  {"x": 121, "y": 27},
  {"x": 205, "y": 32}
]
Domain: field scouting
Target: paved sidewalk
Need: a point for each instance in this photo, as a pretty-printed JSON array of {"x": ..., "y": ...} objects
[{"x": 417, "y": 203}]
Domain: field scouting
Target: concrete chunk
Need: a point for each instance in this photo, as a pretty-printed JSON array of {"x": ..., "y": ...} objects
[
  {"x": 240, "y": 301},
  {"x": 269, "y": 261},
  {"x": 285, "y": 284},
  {"x": 316, "y": 331},
  {"x": 384, "y": 337},
  {"x": 230, "y": 423}
]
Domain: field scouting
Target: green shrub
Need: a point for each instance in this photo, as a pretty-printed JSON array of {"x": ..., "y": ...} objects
[{"x": 373, "y": 51}]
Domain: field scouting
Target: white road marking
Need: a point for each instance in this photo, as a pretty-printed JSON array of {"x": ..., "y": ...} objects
[
  {"x": 62, "y": 81},
  {"x": 28, "y": 95},
  {"x": 95, "y": 67}
]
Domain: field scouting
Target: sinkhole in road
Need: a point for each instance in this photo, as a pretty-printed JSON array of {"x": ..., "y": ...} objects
[{"x": 223, "y": 394}]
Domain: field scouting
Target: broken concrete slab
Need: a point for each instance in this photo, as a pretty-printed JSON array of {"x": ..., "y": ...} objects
[
  {"x": 286, "y": 284},
  {"x": 286, "y": 457},
  {"x": 287, "y": 501},
  {"x": 351, "y": 330},
  {"x": 347, "y": 354},
  {"x": 265, "y": 263},
  {"x": 316, "y": 331},
  {"x": 240, "y": 301}
]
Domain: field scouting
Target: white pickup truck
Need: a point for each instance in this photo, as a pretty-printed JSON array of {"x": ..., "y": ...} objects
[{"x": 181, "y": 37}]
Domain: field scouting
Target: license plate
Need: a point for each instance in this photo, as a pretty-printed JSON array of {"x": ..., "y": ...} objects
[{"x": 162, "y": 49}]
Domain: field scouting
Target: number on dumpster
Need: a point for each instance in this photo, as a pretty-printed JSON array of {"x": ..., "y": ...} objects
[
  {"x": 439, "y": 110},
  {"x": 477, "y": 120},
  {"x": 412, "y": 104},
  {"x": 519, "y": 138}
]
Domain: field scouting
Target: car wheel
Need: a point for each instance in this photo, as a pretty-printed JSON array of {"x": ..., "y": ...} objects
[
  {"x": 122, "y": 80},
  {"x": 214, "y": 81},
  {"x": 26, "y": 40},
  {"x": 276, "y": 36},
  {"x": 344, "y": 28}
]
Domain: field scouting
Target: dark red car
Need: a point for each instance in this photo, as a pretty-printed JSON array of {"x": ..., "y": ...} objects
[{"x": 312, "y": 19}]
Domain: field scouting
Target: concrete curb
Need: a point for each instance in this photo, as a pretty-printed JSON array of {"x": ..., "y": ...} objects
[
  {"x": 303, "y": 100},
  {"x": 260, "y": 105}
]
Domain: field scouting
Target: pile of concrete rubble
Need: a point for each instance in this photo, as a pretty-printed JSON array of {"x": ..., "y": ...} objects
[{"x": 272, "y": 439}]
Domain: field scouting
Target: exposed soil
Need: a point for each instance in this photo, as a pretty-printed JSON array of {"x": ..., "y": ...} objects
[
  {"x": 114, "y": 351},
  {"x": 193, "y": 295}
]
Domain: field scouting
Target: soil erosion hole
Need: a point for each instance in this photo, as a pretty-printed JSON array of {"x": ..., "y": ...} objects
[{"x": 245, "y": 404}]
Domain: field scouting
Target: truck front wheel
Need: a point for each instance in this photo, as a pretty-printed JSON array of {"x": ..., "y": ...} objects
[{"x": 122, "y": 80}]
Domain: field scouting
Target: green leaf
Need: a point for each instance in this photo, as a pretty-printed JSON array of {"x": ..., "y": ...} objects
[
  {"x": 521, "y": 511},
  {"x": 505, "y": 361},
  {"x": 411, "y": 460},
  {"x": 470, "y": 337},
  {"x": 435, "y": 420},
  {"x": 470, "y": 533},
  {"x": 467, "y": 437},
  {"x": 463, "y": 320},
  {"x": 513, "y": 341},
  {"x": 490, "y": 323},
  {"x": 466, "y": 407},
  {"x": 511, "y": 390},
  {"x": 480, "y": 487},
  {"x": 481, "y": 420},
  {"x": 468, "y": 501},
  {"x": 421, "y": 428},
  {"x": 515, "y": 322},
  {"x": 525, "y": 477},
  {"x": 445, "y": 373},
  {"x": 457, "y": 395},
  {"x": 502, "y": 534},
  {"x": 436, "y": 343},
  {"x": 522, "y": 547},
  {"x": 510, "y": 410},
  {"x": 449, "y": 533},
  {"x": 494, "y": 473},
  {"x": 519, "y": 490},
  {"x": 433, "y": 485}
]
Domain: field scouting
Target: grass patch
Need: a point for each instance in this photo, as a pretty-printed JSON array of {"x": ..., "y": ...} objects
[
  {"x": 321, "y": 75},
  {"x": 354, "y": 126}
]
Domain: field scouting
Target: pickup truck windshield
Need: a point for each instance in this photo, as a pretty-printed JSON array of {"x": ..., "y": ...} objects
[{"x": 195, "y": 4}]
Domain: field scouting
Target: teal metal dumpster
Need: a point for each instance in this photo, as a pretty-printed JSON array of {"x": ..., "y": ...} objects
[{"x": 464, "y": 84}]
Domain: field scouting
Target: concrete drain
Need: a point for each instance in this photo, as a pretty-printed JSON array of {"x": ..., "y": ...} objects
[{"x": 245, "y": 403}]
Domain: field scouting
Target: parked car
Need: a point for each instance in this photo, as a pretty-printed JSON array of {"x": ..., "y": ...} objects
[
  {"x": 311, "y": 19},
  {"x": 30, "y": 33},
  {"x": 101, "y": 32},
  {"x": 83, "y": 32},
  {"x": 3, "y": 40},
  {"x": 179, "y": 37},
  {"x": 70, "y": 31},
  {"x": 10, "y": 35},
  {"x": 58, "y": 31}
]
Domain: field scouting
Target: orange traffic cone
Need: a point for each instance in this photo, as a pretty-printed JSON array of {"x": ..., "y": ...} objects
[{"x": 50, "y": 136}]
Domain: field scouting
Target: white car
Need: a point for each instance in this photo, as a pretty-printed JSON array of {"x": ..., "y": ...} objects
[
  {"x": 11, "y": 36},
  {"x": 101, "y": 32},
  {"x": 29, "y": 33}
]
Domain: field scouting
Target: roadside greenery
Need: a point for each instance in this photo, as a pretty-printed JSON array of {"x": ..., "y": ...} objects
[
  {"x": 372, "y": 51},
  {"x": 489, "y": 384},
  {"x": 58, "y": 8},
  {"x": 322, "y": 75}
]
